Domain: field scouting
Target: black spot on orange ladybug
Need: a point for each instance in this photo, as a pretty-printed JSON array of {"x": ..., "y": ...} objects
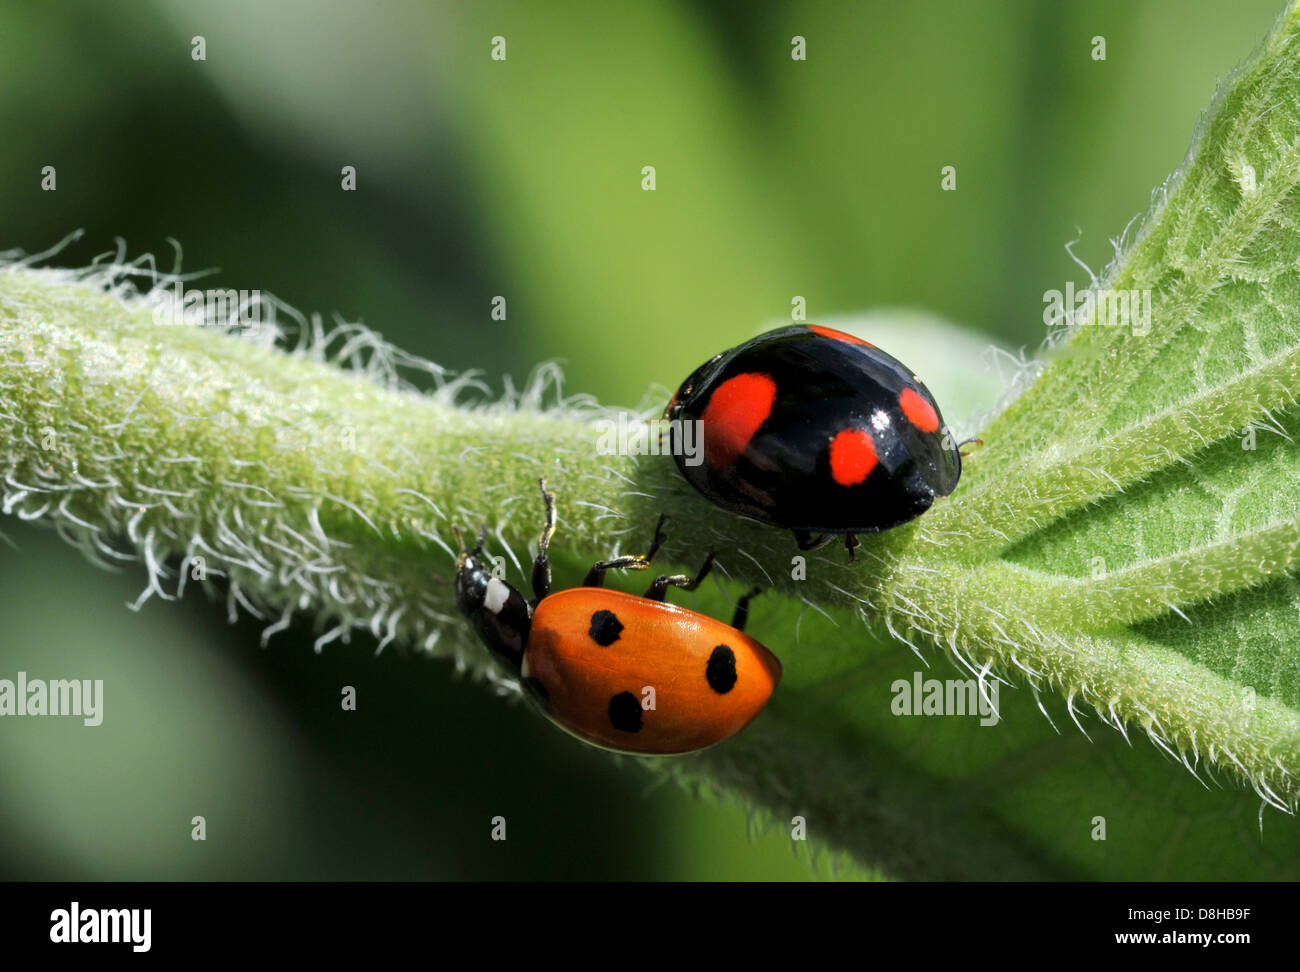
[
  {"x": 721, "y": 670},
  {"x": 628, "y": 673},
  {"x": 625, "y": 712},
  {"x": 605, "y": 628},
  {"x": 816, "y": 431}
]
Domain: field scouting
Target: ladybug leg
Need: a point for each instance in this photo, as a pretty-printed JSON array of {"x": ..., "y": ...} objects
[
  {"x": 851, "y": 544},
  {"x": 977, "y": 442},
  {"x": 596, "y": 576},
  {"x": 811, "y": 541},
  {"x": 741, "y": 617},
  {"x": 541, "y": 565},
  {"x": 659, "y": 588}
]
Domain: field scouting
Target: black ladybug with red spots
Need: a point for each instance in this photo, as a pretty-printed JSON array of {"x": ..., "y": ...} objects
[{"x": 816, "y": 431}]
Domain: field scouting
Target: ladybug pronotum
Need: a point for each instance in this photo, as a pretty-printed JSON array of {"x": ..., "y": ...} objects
[
  {"x": 816, "y": 431},
  {"x": 593, "y": 660}
]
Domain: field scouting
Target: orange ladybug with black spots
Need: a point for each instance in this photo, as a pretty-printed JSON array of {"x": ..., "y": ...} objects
[
  {"x": 622, "y": 672},
  {"x": 816, "y": 431}
]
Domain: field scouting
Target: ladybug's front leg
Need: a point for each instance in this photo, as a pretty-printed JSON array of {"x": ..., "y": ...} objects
[
  {"x": 659, "y": 588},
  {"x": 541, "y": 565},
  {"x": 596, "y": 576}
]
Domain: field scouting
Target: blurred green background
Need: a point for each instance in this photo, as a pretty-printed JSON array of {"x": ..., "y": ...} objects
[{"x": 521, "y": 178}]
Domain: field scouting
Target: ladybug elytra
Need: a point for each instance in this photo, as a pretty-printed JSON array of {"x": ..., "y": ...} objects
[
  {"x": 816, "y": 431},
  {"x": 627, "y": 673}
]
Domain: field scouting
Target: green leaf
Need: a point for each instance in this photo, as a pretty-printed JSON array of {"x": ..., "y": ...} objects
[
  {"x": 1116, "y": 550},
  {"x": 1151, "y": 470}
]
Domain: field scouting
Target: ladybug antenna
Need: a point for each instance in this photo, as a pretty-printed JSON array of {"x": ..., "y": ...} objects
[
  {"x": 461, "y": 555},
  {"x": 460, "y": 542}
]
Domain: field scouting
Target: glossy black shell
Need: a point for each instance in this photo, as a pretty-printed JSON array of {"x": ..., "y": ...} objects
[{"x": 824, "y": 385}]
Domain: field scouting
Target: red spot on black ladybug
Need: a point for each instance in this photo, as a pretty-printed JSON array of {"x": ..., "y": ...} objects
[
  {"x": 625, "y": 712},
  {"x": 918, "y": 411},
  {"x": 834, "y": 335},
  {"x": 853, "y": 456},
  {"x": 605, "y": 628},
  {"x": 721, "y": 670},
  {"x": 828, "y": 383},
  {"x": 735, "y": 411}
]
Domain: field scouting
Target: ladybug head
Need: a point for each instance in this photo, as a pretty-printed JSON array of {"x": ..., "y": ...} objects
[
  {"x": 498, "y": 612},
  {"x": 471, "y": 575},
  {"x": 687, "y": 389}
]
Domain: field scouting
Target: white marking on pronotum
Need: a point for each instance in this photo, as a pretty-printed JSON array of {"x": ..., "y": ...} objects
[{"x": 498, "y": 592}]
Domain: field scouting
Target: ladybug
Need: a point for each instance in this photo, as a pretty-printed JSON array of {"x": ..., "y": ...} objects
[
  {"x": 622, "y": 672},
  {"x": 816, "y": 431}
]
